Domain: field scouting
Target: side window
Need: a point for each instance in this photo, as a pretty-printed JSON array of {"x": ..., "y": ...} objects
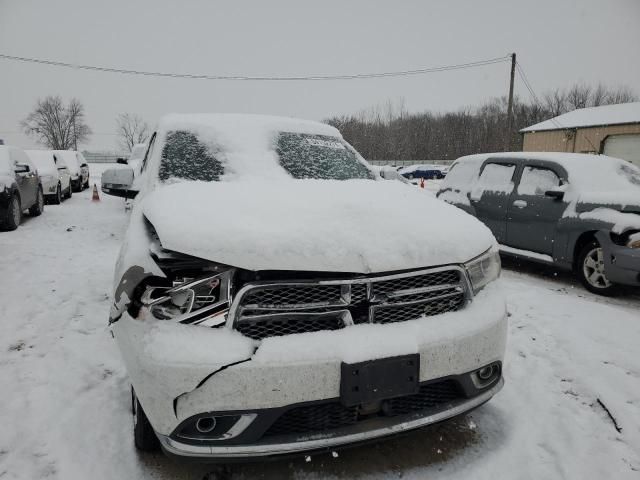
[
  {"x": 495, "y": 178},
  {"x": 536, "y": 181}
]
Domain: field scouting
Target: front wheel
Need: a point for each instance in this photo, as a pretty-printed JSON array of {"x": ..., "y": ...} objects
[
  {"x": 14, "y": 214},
  {"x": 38, "y": 207},
  {"x": 144, "y": 437},
  {"x": 590, "y": 269}
]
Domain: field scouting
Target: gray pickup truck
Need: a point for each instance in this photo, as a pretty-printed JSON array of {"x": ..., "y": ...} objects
[{"x": 576, "y": 211}]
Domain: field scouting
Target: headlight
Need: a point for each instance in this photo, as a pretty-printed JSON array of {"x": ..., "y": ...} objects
[
  {"x": 483, "y": 269},
  {"x": 634, "y": 240},
  {"x": 201, "y": 301}
]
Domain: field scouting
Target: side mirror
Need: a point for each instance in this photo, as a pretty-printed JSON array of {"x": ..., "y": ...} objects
[
  {"x": 84, "y": 165},
  {"x": 118, "y": 182},
  {"x": 122, "y": 161},
  {"x": 555, "y": 194},
  {"x": 389, "y": 173},
  {"x": 22, "y": 168}
]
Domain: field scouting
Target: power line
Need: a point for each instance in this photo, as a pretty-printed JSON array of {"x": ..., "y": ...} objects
[
  {"x": 401, "y": 73},
  {"x": 525, "y": 80}
]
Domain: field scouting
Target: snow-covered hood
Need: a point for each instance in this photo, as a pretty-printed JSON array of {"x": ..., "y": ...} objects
[{"x": 355, "y": 226}]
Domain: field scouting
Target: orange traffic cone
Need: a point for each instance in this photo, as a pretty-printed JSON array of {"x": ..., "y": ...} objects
[
  {"x": 95, "y": 197},
  {"x": 422, "y": 182}
]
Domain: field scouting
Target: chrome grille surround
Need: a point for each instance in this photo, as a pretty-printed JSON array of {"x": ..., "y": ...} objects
[{"x": 265, "y": 309}]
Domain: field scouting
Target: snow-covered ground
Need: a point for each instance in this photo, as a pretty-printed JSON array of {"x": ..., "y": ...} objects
[{"x": 65, "y": 397}]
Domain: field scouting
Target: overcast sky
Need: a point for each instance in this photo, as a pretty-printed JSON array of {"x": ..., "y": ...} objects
[{"x": 558, "y": 42}]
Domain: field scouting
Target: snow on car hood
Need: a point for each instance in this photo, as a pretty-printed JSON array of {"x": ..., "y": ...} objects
[{"x": 358, "y": 226}]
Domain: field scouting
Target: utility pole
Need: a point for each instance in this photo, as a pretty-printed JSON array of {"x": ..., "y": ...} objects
[{"x": 507, "y": 135}]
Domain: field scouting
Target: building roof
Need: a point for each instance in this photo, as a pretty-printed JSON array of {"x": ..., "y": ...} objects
[{"x": 591, "y": 117}]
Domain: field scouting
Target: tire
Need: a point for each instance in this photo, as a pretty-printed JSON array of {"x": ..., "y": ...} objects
[
  {"x": 37, "y": 209},
  {"x": 77, "y": 187},
  {"x": 590, "y": 270},
  {"x": 144, "y": 437},
  {"x": 57, "y": 200},
  {"x": 69, "y": 190},
  {"x": 14, "y": 214}
]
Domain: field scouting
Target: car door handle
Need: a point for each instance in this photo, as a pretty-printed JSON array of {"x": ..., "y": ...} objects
[{"x": 520, "y": 203}]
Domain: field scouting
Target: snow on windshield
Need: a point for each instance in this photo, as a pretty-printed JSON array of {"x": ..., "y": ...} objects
[
  {"x": 70, "y": 160},
  {"x": 319, "y": 157},
  {"x": 253, "y": 146},
  {"x": 43, "y": 160}
]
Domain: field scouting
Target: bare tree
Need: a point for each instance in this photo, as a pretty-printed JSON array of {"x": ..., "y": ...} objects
[
  {"x": 579, "y": 96},
  {"x": 55, "y": 125},
  {"x": 131, "y": 129}
]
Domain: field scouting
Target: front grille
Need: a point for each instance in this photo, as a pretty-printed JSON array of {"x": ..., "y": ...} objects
[
  {"x": 429, "y": 396},
  {"x": 270, "y": 327},
  {"x": 292, "y": 296},
  {"x": 313, "y": 418},
  {"x": 283, "y": 308},
  {"x": 324, "y": 417},
  {"x": 401, "y": 313}
]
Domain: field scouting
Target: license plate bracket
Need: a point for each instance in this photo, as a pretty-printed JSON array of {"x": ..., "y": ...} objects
[{"x": 375, "y": 380}]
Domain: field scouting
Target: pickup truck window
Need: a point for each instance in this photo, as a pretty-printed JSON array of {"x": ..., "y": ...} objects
[
  {"x": 536, "y": 181},
  {"x": 495, "y": 177},
  {"x": 320, "y": 157}
]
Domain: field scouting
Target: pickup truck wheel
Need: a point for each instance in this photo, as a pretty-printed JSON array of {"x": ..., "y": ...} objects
[
  {"x": 591, "y": 270},
  {"x": 14, "y": 214},
  {"x": 144, "y": 437},
  {"x": 38, "y": 207}
]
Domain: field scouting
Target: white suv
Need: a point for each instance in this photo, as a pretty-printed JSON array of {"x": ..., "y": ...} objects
[{"x": 274, "y": 295}]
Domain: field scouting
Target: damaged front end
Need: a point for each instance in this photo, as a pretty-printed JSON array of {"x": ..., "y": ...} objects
[{"x": 265, "y": 373}]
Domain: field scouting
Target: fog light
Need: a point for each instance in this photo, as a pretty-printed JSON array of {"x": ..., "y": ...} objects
[
  {"x": 206, "y": 424},
  {"x": 487, "y": 375}
]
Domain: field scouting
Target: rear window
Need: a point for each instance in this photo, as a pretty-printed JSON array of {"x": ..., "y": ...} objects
[
  {"x": 319, "y": 157},
  {"x": 185, "y": 157}
]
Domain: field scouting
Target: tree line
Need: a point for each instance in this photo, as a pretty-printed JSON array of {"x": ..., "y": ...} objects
[
  {"x": 63, "y": 126},
  {"x": 390, "y": 132}
]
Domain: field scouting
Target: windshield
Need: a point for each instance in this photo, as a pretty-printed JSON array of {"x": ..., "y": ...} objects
[
  {"x": 631, "y": 173},
  {"x": 320, "y": 157},
  {"x": 186, "y": 156}
]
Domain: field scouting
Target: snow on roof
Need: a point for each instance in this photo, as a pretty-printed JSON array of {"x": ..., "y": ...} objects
[
  {"x": 596, "y": 178},
  {"x": 591, "y": 117},
  {"x": 233, "y": 125}
]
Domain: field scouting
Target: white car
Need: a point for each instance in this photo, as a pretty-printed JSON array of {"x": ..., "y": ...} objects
[
  {"x": 78, "y": 168},
  {"x": 54, "y": 174},
  {"x": 274, "y": 295}
]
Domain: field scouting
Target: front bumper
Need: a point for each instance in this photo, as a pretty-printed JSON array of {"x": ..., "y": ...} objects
[
  {"x": 181, "y": 371},
  {"x": 384, "y": 428},
  {"x": 621, "y": 263}
]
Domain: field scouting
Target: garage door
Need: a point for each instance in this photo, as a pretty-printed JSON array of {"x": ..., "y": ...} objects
[{"x": 623, "y": 146}]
